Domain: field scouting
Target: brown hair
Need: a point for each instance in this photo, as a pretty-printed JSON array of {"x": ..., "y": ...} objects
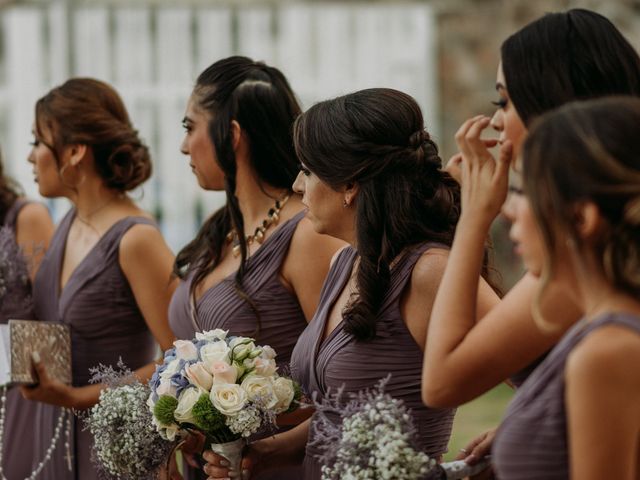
[
  {"x": 9, "y": 192},
  {"x": 90, "y": 112},
  {"x": 588, "y": 152}
]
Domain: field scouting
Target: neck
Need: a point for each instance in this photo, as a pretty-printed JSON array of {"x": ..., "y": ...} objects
[
  {"x": 92, "y": 197},
  {"x": 255, "y": 199}
]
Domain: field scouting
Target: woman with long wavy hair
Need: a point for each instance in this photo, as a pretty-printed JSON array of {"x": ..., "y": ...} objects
[{"x": 371, "y": 176}]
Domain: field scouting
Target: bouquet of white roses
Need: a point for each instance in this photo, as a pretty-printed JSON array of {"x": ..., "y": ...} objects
[{"x": 225, "y": 387}]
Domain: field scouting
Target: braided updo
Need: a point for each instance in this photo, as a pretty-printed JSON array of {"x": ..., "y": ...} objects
[{"x": 376, "y": 139}]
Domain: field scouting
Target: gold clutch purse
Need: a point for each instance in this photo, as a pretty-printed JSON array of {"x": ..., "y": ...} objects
[{"x": 20, "y": 338}]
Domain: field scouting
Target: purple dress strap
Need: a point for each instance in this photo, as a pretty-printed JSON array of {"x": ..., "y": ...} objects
[
  {"x": 532, "y": 442},
  {"x": 281, "y": 317},
  {"x": 106, "y": 325},
  {"x": 341, "y": 360}
]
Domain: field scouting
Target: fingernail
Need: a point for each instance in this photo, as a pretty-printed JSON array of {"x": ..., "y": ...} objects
[
  {"x": 35, "y": 356},
  {"x": 224, "y": 463},
  {"x": 470, "y": 459},
  {"x": 246, "y": 474}
]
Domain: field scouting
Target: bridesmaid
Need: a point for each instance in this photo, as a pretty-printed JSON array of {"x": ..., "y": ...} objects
[
  {"x": 371, "y": 176},
  {"x": 542, "y": 67},
  {"x": 29, "y": 226},
  {"x": 578, "y": 223},
  {"x": 257, "y": 266},
  {"x": 107, "y": 273}
]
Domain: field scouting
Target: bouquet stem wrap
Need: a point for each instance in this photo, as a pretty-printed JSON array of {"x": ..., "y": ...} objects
[{"x": 232, "y": 451}]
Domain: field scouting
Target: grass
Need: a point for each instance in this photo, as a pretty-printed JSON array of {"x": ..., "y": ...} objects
[{"x": 477, "y": 416}]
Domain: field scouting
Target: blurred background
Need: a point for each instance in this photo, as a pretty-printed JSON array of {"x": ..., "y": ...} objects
[{"x": 443, "y": 52}]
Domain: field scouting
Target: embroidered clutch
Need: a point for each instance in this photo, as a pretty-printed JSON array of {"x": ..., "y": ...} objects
[{"x": 20, "y": 338}]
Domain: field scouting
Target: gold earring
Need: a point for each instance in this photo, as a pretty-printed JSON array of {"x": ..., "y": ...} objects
[{"x": 345, "y": 204}]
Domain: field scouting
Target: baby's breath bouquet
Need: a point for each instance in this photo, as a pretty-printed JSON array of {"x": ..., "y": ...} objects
[
  {"x": 375, "y": 440},
  {"x": 126, "y": 443},
  {"x": 13, "y": 273},
  {"x": 225, "y": 387}
]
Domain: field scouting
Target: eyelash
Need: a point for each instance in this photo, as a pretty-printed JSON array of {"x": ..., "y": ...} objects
[
  {"x": 305, "y": 171},
  {"x": 186, "y": 126},
  {"x": 500, "y": 103},
  {"x": 516, "y": 190},
  {"x": 35, "y": 142}
]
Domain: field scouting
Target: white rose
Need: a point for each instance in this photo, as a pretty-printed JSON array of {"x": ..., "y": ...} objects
[
  {"x": 268, "y": 353},
  {"x": 214, "y": 352},
  {"x": 186, "y": 350},
  {"x": 223, "y": 373},
  {"x": 265, "y": 368},
  {"x": 229, "y": 399},
  {"x": 260, "y": 388},
  {"x": 241, "y": 348},
  {"x": 284, "y": 391},
  {"x": 188, "y": 398},
  {"x": 199, "y": 376},
  {"x": 166, "y": 388},
  {"x": 171, "y": 370},
  {"x": 211, "y": 335}
]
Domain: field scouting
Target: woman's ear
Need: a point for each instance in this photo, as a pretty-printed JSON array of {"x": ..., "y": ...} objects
[
  {"x": 236, "y": 134},
  {"x": 588, "y": 220},
  {"x": 77, "y": 153},
  {"x": 350, "y": 193}
]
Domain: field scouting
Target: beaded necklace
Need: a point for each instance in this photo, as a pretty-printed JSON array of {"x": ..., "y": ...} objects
[{"x": 273, "y": 215}]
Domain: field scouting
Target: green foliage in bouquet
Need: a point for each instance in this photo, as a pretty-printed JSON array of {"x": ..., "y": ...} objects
[
  {"x": 210, "y": 421},
  {"x": 164, "y": 408}
]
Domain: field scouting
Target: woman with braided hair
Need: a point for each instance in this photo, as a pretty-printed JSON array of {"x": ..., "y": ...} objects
[
  {"x": 257, "y": 266},
  {"x": 370, "y": 176}
]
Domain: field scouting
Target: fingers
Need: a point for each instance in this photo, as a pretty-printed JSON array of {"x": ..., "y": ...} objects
[
  {"x": 453, "y": 167},
  {"x": 482, "y": 448},
  {"x": 217, "y": 466}
]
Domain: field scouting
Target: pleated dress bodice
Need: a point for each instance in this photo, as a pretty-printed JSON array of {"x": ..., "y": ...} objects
[
  {"x": 342, "y": 361},
  {"x": 532, "y": 441},
  {"x": 106, "y": 325}
]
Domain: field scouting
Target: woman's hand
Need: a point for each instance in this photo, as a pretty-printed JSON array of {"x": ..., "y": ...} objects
[
  {"x": 217, "y": 466},
  {"x": 48, "y": 390},
  {"x": 484, "y": 179},
  {"x": 478, "y": 447}
]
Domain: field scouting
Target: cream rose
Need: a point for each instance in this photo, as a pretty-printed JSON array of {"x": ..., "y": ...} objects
[
  {"x": 188, "y": 398},
  {"x": 229, "y": 399},
  {"x": 199, "y": 376},
  {"x": 166, "y": 388},
  {"x": 212, "y": 335},
  {"x": 268, "y": 353},
  {"x": 223, "y": 373},
  {"x": 264, "y": 367},
  {"x": 260, "y": 388},
  {"x": 284, "y": 392},
  {"x": 186, "y": 350},
  {"x": 214, "y": 352}
]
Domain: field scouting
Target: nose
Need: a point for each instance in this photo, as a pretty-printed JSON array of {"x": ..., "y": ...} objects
[
  {"x": 30, "y": 158},
  {"x": 509, "y": 208},
  {"x": 298, "y": 184},
  {"x": 184, "y": 149},
  {"x": 497, "y": 121}
]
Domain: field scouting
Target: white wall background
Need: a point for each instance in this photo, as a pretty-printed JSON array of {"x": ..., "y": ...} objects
[{"x": 152, "y": 55}]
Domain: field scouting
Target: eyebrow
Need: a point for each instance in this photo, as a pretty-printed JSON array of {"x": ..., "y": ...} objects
[{"x": 500, "y": 86}]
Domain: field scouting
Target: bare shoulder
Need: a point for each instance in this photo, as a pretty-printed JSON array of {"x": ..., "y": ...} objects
[
  {"x": 430, "y": 267},
  {"x": 603, "y": 358},
  {"x": 139, "y": 238},
  {"x": 34, "y": 214}
]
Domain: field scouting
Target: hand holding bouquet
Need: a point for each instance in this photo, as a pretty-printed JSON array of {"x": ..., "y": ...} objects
[{"x": 225, "y": 387}]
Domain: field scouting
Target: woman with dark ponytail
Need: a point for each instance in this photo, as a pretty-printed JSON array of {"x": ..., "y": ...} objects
[
  {"x": 107, "y": 273},
  {"x": 371, "y": 176},
  {"x": 25, "y": 225},
  {"x": 257, "y": 266}
]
